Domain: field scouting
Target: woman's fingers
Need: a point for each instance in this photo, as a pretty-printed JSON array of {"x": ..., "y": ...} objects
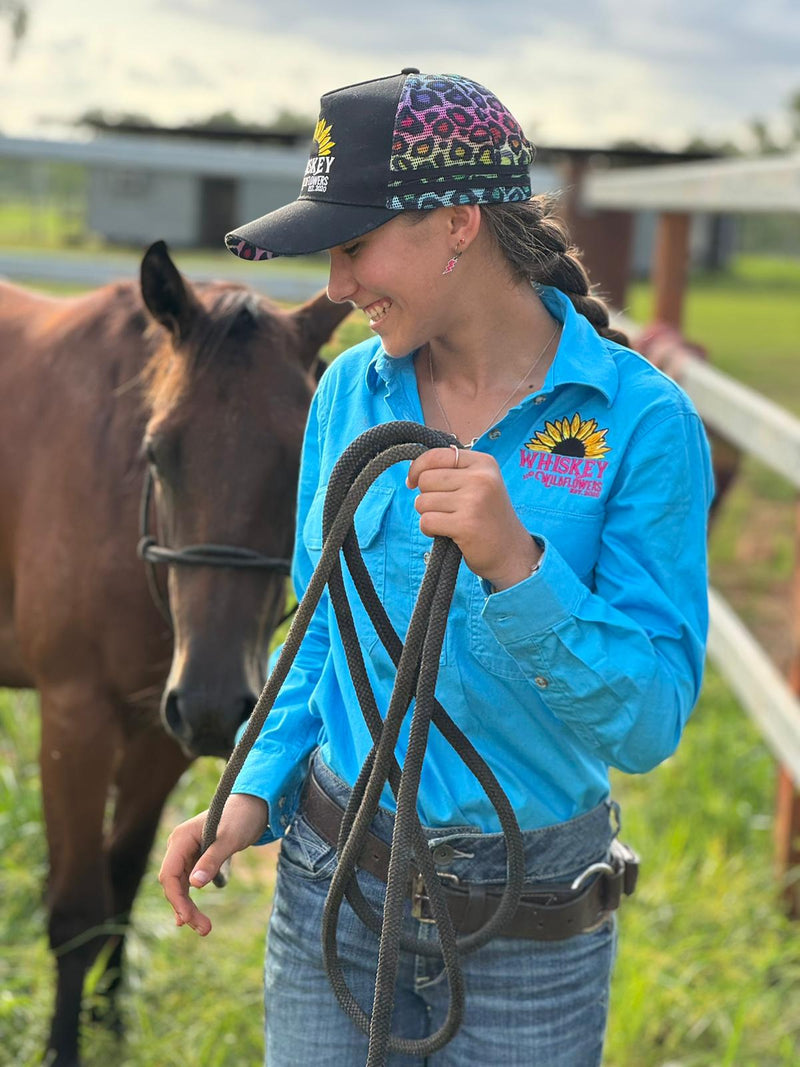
[
  {"x": 186, "y": 866},
  {"x": 468, "y": 502},
  {"x": 444, "y": 501},
  {"x": 183, "y": 850},
  {"x": 439, "y": 460}
]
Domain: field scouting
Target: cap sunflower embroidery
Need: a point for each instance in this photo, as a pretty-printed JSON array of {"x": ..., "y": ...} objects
[
  {"x": 322, "y": 137},
  {"x": 571, "y": 437}
]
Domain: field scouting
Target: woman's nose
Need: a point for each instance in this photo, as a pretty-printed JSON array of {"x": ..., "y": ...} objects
[{"x": 341, "y": 283}]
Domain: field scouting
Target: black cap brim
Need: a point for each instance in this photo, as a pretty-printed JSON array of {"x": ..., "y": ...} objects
[{"x": 304, "y": 226}]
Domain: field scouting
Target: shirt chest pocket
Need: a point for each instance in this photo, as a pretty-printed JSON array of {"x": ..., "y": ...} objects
[
  {"x": 576, "y": 536},
  {"x": 369, "y": 522}
]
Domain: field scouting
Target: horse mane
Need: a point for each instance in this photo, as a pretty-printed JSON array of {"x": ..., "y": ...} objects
[{"x": 232, "y": 314}]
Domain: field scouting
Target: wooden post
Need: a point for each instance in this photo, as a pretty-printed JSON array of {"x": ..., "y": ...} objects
[
  {"x": 605, "y": 238},
  {"x": 670, "y": 267},
  {"x": 787, "y": 812}
]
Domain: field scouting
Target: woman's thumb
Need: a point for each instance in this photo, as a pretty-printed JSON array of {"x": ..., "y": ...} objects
[{"x": 209, "y": 864}]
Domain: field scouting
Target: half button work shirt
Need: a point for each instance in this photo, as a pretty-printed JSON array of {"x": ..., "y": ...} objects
[{"x": 594, "y": 660}]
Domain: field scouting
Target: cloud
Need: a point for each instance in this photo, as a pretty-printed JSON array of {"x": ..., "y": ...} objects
[{"x": 587, "y": 73}]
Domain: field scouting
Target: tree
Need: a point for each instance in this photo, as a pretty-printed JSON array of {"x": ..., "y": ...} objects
[
  {"x": 765, "y": 143},
  {"x": 701, "y": 146},
  {"x": 16, "y": 11},
  {"x": 97, "y": 116},
  {"x": 794, "y": 116},
  {"x": 286, "y": 122}
]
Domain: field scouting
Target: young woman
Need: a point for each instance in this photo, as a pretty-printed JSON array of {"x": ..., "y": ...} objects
[{"x": 575, "y": 640}]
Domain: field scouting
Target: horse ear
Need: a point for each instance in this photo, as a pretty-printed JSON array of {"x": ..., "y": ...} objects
[
  {"x": 167, "y": 295},
  {"x": 316, "y": 321}
]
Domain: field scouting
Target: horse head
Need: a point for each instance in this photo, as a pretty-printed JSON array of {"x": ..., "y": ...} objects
[{"x": 227, "y": 391}]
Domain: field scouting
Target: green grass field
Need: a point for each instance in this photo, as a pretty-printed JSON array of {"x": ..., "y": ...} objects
[{"x": 708, "y": 973}]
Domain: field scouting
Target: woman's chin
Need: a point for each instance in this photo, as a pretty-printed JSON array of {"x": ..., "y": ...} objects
[{"x": 394, "y": 347}]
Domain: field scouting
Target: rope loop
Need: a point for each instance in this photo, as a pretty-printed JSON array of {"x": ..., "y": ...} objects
[{"x": 417, "y": 664}]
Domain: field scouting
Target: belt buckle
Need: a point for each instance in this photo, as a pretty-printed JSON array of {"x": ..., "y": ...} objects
[{"x": 419, "y": 898}]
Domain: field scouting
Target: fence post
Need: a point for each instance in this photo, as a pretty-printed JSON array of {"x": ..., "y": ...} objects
[
  {"x": 787, "y": 811},
  {"x": 671, "y": 266},
  {"x": 604, "y": 237}
]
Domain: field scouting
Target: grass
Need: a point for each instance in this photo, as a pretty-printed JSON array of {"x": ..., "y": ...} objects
[
  {"x": 708, "y": 973},
  {"x": 709, "y": 969},
  {"x": 749, "y": 319},
  {"x": 45, "y": 225}
]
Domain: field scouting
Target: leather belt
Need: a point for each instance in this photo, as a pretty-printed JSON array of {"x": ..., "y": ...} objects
[{"x": 551, "y": 913}]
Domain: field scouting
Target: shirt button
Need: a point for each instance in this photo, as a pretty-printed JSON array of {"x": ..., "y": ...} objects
[
  {"x": 426, "y": 556},
  {"x": 541, "y": 682},
  {"x": 494, "y": 435},
  {"x": 539, "y": 399}
]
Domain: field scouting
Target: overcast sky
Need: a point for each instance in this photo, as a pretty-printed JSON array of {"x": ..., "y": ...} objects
[{"x": 577, "y": 73}]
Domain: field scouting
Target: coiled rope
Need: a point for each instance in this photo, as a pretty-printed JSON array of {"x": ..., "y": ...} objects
[{"x": 417, "y": 664}]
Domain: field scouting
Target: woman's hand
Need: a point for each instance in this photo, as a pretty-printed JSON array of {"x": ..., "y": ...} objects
[
  {"x": 467, "y": 501},
  {"x": 243, "y": 821}
]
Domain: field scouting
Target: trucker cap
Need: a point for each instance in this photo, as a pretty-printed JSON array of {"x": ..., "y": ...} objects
[{"x": 407, "y": 142}]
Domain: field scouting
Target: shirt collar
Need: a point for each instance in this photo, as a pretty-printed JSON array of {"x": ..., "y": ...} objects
[
  {"x": 383, "y": 368},
  {"x": 582, "y": 357}
]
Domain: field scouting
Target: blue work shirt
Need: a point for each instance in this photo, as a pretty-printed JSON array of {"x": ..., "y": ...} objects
[{"x": 594, "y": 660}]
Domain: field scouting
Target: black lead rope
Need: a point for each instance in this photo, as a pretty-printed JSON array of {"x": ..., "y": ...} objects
[{"x": 417, "y": 663}]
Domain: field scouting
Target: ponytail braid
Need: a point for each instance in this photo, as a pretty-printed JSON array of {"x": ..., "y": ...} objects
[{"x": 536, "y": 246}]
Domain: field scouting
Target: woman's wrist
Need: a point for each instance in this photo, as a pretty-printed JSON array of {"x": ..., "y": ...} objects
[{"x": 520, "y": 566}]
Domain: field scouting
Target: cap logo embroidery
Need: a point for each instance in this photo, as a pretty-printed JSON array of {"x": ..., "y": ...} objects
[
  {"x": 570, "y": 455},
  {"x": 319, "y": 165}
]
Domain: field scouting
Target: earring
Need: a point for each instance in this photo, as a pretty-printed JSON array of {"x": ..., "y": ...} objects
[{"x": 452, "y": 262}]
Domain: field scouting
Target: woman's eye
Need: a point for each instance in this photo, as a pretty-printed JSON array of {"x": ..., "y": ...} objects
[{"x": 350, "y": 250}]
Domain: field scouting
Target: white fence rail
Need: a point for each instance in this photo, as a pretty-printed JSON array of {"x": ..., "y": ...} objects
[
  {"x": 745, "y": 418},
  {"x": 771, "y": 434}
]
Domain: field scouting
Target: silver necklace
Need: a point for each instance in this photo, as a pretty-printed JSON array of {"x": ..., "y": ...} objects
[{"x": 505, "y": 403}]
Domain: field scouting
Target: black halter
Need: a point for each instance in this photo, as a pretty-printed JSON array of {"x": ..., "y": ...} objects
[{"x": 209, "y": 555}]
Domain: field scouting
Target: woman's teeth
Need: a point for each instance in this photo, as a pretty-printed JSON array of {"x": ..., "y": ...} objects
[{"x": 375, "y": 312}]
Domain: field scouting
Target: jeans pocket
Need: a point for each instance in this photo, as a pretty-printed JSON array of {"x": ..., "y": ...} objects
[{"x": 306, "y": 854}]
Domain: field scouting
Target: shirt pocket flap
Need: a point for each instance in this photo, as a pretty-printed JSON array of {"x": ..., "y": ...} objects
[
  {"x": 368, "y": 518},
  {"x": 576, "y": 534}
]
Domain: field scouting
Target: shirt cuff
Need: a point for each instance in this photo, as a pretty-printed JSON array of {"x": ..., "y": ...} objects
[
  {"x": 277, "y": 778},
  {"x": 536, "y": 604}
]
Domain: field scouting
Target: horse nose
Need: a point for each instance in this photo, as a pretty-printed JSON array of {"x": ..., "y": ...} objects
[{"x": 202, "y": 726}]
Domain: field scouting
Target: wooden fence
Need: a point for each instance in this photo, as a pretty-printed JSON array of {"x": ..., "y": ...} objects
[
  {"x": 766, "y": 431},
  {"x": 772, "y": 435},
  {"x": 740, "y": 416}
]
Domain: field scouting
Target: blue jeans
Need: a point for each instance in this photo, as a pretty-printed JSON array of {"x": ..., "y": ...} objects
[{"x": 531, "y": 1003}]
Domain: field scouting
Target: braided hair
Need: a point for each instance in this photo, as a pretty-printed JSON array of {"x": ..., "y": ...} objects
[{"x": 536, "y": 246}]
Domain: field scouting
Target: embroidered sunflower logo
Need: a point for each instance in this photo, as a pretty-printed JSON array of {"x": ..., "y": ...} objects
[
  {"x": 571, "y": 437},
  {"x": 322, "y": 135}
]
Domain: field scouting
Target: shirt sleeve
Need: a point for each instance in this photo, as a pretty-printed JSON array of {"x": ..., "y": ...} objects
[
  {"x": 621, "y": 661},
  {"x": 275, "y": 767}
]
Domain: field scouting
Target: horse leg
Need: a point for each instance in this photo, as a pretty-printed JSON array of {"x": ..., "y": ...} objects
[
  {"x": 150, "y": 767},
  {"x": 79, "y": 742},
  {"x": 727, "y": 460}
]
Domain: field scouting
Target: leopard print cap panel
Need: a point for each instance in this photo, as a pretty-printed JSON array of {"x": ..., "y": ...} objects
[{"x": 455, "y": 142}]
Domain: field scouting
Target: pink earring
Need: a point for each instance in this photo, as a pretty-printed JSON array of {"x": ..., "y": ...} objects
[{"x": 452, "y": 262}]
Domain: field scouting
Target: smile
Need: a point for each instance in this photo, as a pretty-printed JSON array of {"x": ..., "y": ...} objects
[{"x": 377, "y": 311}]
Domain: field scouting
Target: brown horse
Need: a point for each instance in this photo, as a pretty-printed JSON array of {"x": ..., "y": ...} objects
[{"x": 209, "y": 387}]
